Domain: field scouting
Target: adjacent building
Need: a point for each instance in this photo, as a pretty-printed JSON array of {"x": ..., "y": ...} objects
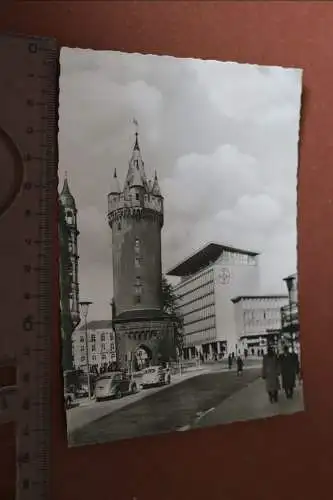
[
  {"x": 100, "y": 349},
  {"x": 136, "y": 217},
  {"x": 68, "y": 272},
  {"x": 210, "y": 278},
  {"x": 258, "y": 322}
]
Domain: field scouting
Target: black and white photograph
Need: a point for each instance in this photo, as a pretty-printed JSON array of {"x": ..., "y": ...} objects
[{"x": 178, "y": 243}]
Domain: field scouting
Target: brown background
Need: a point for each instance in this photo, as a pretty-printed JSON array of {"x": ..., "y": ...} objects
[{"x": 287, "y": 457}]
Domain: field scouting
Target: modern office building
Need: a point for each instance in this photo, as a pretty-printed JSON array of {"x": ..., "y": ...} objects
[
  {"x": 101, "y": 347},
  {"x": 258, "y": 322},
  {"x": 209, "y": 279}
]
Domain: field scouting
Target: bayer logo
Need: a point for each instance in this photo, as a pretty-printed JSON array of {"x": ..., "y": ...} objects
[{"x": 224, "y": 276}]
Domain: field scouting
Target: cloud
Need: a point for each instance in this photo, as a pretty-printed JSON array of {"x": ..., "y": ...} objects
[{"x": 222, "y": 137}]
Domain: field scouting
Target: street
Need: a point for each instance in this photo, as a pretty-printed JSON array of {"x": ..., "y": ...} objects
[
  {"x": 177, "y": 407},
  {"x": 250, "y": 403}
]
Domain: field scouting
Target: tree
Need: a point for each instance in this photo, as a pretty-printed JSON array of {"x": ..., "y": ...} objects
[{"x": 169, "y": 301}]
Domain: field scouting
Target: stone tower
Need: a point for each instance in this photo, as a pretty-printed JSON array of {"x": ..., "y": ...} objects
[
  {"x": 70, "y": 213},
  {"x": 135, "y": 216}
]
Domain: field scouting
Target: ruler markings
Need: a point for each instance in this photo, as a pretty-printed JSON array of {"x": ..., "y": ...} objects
[{"x": 29, "y": 401}]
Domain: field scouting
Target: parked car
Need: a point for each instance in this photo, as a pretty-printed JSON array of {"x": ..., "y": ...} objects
[
  {"x": 155, "y": 375},
  {"x": 114, "y": 385}
]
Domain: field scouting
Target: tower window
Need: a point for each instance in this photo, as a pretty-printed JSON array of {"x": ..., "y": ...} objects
[
  {"x": 137, "y": 262},
  {"x": 137, "y": 243},
  {"x": 138, "y": 299},
  {"x": 119, "y": 226},
  {"x": 136, "y": 196}
]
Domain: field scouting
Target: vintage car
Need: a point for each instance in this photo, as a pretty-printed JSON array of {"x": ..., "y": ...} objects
[
  {"x": 114, "y": 385},
  {"x": 154, "y": 376}
]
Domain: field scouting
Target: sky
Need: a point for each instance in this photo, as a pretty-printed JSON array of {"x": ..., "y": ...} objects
[{"x": 222, "y": 136}]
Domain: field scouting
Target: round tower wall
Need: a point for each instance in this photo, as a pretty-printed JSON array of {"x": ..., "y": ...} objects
[{"x": 137, "y": 268}]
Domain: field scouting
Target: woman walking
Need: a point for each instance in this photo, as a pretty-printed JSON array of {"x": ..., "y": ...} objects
[{"x": 270, "y": 373}]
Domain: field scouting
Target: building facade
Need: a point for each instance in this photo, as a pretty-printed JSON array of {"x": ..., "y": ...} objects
[
  {"x": 68, "y": 272},
  {"x": 101, "y": 345},
  {"x": 135, "y": 217},
  {"x": 258, "y": 322},
  {"x": 210, "y": 278}
]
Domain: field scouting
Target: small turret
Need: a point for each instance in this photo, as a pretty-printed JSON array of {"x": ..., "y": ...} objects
[
  {"x": 66, "y": 197},
  {"x": 115, "y": 184},
  {"x": 156, "y": 187}
]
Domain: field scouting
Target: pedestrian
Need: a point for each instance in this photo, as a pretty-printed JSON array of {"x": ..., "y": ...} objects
[
  {"x": 270, "y": 373},
  {"x": 289, "y": 367},
  {"x": 229, "y": 361},
  {"x": 297, "y": 364},
  {"x": 240, "y": 365}
]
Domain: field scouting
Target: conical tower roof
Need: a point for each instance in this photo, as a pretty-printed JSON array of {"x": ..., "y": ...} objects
[
  {"x": 115, "y": 184},
  {"x": 156, "y": 187},
  {"x": 66, "y": 197},
  {"x": 136, "y": 175},
  {"x": 137, "y": 180}
]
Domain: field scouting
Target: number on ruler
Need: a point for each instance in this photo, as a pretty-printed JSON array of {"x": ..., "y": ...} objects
[
  {"x": 32, "y": 47},
  {"x": 28, "y": 323}
]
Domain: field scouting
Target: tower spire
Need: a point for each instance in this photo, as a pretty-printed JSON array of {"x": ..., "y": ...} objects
[
  {"x": 136, "y": 174},
  {"x": 136, "y": 144},
  {"x": 156, "y": 187}
]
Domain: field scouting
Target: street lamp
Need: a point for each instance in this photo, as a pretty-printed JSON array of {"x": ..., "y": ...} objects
[
  {"x": 290, "y": 285},
  {"x": 84, "y": 310}
]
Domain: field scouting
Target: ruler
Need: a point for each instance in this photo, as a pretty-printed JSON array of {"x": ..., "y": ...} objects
[{"x": 28, "y": 225}]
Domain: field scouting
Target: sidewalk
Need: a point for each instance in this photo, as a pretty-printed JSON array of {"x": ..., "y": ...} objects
[
  {"x": 89, "y": 410},
  {"x": 251, "y": 403}
]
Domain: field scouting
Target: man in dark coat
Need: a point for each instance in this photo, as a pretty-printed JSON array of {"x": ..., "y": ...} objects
[
  {"x": 289, "y": 367},
  {"x": 240, "y": 365},
  {"x": 270, "y": 373}
]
